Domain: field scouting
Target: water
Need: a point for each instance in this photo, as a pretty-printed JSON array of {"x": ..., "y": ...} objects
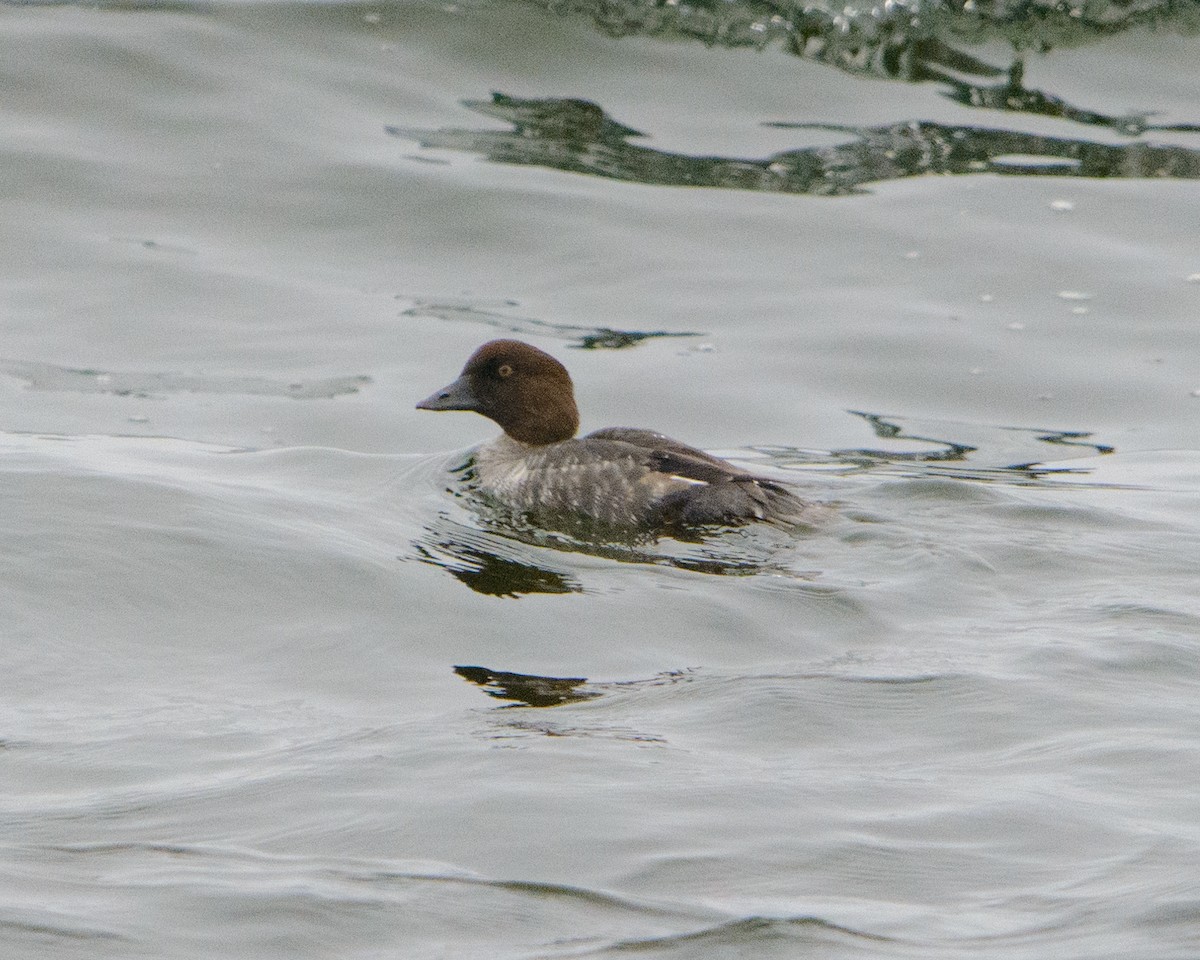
[{"x": 957, "y": 720}]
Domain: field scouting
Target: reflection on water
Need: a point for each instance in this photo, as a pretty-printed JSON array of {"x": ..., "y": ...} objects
[
  {"x": 509, "y": 556},
  {"x": 1012, "y": 96},
  {"x": 531, "y": 690},
  {"x": 1010, "y": 455},
  {"x": 900, "y": 40},
  {"x": 894, "y": 427},
  {"x": 527, "y": 690},
  {"x": 911, "y": 40},
  {"x": 490, "y": 573},
  {"x": 494, "y": 315},
  {"x": 578, "y": 136}
]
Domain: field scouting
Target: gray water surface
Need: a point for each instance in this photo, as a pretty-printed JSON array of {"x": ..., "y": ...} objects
[{"x": 273, "y": 690}]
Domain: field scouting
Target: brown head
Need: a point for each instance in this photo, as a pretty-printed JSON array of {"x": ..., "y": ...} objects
[{"x": 526, "y": 391}]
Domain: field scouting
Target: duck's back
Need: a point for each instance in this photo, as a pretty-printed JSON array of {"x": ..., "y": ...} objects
[
  {"x": 622, "y": 476},
  {"x": 714, "y": 491}
]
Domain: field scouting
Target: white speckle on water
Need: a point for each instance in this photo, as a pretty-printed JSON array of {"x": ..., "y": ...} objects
[
  {"x": 1073, "y": 295},
  {"x": 1016, "y": 325},
  {"x": 1062, "y": 206},
  {"x": 986, "y": 297},
  {"x": 1081, "y": 310}
]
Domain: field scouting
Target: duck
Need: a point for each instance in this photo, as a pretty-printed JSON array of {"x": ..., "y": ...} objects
[{"x": 618, "y": 477}]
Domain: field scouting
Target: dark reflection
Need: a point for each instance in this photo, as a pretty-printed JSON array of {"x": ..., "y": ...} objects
[
  {"x": 531, "y": 690},
  {"x": 1012, "y": 96},
  {"x": 910, "y": 40},
  {"x": 586, "y": 338},
  {"x": 526, "y": 690},
  {"x": 893, "y": 427},
  {"x": 891, "y": 430},
  {"x": 883, "y": 38},
  {"x": 1010, "y": 455},
  {"x": 576, "y": 136},
  {"x": 494, "y": 575},
  {"x": 507, "y": 555}
]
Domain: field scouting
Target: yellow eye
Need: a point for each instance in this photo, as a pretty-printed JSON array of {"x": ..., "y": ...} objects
[{"x": 505, "y": 370}]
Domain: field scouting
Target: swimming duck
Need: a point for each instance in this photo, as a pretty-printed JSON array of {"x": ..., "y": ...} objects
[{"x": 618, "y": 476}]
